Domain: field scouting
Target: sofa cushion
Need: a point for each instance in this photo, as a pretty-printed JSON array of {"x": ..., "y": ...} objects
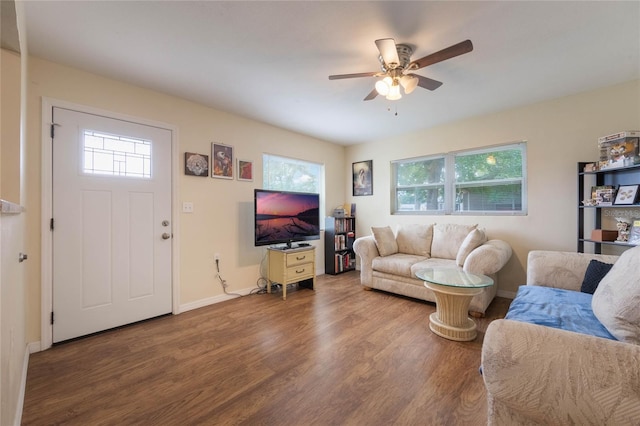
[
  {"x": 385, "y": 240},
  {"x": 594, "y": 274},
  {"x": 433, "y": 263},
  {"x": 447, "y": 239},
  {"x": 415, "y": 239},
  {"x": 472, "y": 241},
  {"x": 615, "y": 302},
  {"x": 558, "y": 308},
  {"x": 397, "y": 264}
]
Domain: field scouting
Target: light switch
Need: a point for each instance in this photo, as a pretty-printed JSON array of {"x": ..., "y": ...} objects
[{"x": 187, "y": 207}]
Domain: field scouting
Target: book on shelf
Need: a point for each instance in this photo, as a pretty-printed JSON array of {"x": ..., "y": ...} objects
[{"x": 343, "y": 262}]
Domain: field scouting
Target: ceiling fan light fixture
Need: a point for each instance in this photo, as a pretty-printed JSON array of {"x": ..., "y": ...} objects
[
  {"x": 409, "y": 83},
  {"x": 394, "y": 92},
  {"x": 384, "y": 86}
]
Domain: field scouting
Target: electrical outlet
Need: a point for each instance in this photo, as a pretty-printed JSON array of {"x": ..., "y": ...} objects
[
  {"x": 187, "y": 207},
  {"x": 216, "y": 256}
]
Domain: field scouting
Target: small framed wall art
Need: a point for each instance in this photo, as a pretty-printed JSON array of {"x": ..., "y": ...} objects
[
  {"x": 222, "y": 161},
  {"x": 196, "y": 164},
  {"x": 245, "y": 170},
  {"x": 362, "y": 178},
  {"x": 626, "y": 195}
]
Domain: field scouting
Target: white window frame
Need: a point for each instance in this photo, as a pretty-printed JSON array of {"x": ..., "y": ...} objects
[{"x": 450, "y": 183}]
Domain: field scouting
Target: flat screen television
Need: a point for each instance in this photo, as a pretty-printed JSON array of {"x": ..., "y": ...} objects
[{"x": 284, "y": 217}]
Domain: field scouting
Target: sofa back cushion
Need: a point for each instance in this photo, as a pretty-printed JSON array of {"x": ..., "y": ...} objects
[
  {"x": 385, "y": 240},
  {"x": 447, "y": 239},
  {"x": 415, "y": 239},
  {"x": 615, "y": 302},
  {"x": 473, "y": 240}
]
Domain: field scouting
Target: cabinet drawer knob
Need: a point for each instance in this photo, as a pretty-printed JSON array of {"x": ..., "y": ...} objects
[
  {"x": 299, "y": 272},
  {"x": 301, "y": 258}
]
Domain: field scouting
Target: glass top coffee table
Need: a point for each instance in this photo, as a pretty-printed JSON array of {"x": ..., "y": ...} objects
[{"x": 454, "y": 289}]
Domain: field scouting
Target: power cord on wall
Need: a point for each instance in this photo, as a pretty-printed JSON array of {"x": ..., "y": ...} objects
[{"x": 223, "y": 281}]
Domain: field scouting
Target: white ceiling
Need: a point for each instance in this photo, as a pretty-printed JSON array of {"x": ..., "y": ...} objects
[{"x": 269, "y": 60}]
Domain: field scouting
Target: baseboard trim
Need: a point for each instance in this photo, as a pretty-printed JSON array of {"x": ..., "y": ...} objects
[
  {"x": 29, "y": 349},
  {"x": 213, "y": 300}
]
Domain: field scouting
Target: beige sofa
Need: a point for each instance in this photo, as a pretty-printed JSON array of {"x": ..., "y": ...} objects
[
  {"x": 389, "y": 261},
  {"x": 542, "y": 375}
]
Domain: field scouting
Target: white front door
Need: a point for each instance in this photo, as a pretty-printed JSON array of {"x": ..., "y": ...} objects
[{"x": 111, "y": 223}]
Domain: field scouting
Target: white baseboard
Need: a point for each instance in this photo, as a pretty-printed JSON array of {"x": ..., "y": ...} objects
[
  {"x": 213, "y": 300},
  {"x": 30, "y": 348}
]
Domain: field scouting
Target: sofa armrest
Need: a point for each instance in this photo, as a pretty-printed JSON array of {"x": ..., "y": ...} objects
[
  {"x": 542, "y": 375},
  {"x": 489, "y": 258},
  {"x": 366, "y": 248},
  {"x": 560, "y": 269}
]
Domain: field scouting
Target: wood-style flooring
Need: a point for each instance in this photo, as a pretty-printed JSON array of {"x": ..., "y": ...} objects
[{"x": 337, "y": 355}]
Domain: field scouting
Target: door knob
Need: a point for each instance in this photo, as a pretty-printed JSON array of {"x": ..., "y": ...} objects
[{"x": 166, "y": 236}]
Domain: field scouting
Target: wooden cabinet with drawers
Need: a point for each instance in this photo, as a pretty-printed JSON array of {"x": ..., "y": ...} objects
[{"x": 296, "y": 265}]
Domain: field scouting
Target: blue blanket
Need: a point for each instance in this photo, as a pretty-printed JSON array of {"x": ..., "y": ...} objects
[{"x": 557, "y": 308}]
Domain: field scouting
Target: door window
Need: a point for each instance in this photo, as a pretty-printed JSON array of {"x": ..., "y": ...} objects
[{"x": 105, "y": 154}]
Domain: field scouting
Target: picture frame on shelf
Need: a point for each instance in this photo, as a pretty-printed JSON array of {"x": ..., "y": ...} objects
[
  {"x": 221, "y": 161},
  {"x": 196, "y": 164},
  {"x": 602, "y": 195},
  {"x": 362, "y": 177},
  {"x": 626, "y": 195},
  {"x": 245, "y": 170}
]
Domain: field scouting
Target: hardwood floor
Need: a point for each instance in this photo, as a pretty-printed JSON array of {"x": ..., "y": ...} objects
[{"x": 334, "y": 356}]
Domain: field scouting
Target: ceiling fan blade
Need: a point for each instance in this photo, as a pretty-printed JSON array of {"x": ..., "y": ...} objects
[
  {"x": 388, "y": 51},
  {"x": 371, "y": 95},
  {"x": 359, "y": 74},
  {"x": 427, "y": 83},
  {"x": 442, "y": 55}
]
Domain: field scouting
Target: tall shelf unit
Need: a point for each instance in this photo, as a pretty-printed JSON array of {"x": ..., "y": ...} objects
[
  {"x": 339, "y": 235},
  {"x": 591, "y": 217}
]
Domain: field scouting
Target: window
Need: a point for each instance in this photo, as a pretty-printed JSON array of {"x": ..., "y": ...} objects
[
  {"x": 289, "y": 174},
  {"x": 113, "y": 155},
  {"x": 420, "y": 184},
  {"x": 483, "y": 181}
]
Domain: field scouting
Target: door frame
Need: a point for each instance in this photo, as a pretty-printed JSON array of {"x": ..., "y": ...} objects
[{"x": 46, "y": 251}]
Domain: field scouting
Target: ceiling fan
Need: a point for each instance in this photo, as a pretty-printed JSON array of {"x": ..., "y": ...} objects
[{"x": 396, "y": 65}]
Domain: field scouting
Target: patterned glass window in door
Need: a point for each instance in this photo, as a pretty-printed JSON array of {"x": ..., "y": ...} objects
[{"x": 114, "y": 155}]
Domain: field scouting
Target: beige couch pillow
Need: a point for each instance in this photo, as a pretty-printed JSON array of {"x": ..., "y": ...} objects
[
  {"x": 385, "y": 240},
  {"x": 447, "y": 239},
  {"x": 472, "y": 241},
  {"x": 616, "y": 300},
  {"x": 415, "y": 239}
]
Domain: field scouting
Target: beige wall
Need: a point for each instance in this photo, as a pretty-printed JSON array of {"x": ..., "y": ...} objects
[
  {"x": 223, "y": 209},
  {"x": 559, "y": 133}
]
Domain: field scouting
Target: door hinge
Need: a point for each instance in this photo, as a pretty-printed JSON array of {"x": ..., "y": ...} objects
[
  {"x": 51, "y": 317},
  {"x": 51, "y": 224}
]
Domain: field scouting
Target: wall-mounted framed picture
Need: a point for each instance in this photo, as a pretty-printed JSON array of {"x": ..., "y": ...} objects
[
  {"x": 362, "y": 178},
  {"x": 196, "y": 164},
  {"x": 221, "y": 161},
  {"x": 245, "y": 170},
  {"x": 626, "y": 195}
]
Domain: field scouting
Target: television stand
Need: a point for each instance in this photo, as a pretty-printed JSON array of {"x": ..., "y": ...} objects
[{"x": 288, "y": 266}]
